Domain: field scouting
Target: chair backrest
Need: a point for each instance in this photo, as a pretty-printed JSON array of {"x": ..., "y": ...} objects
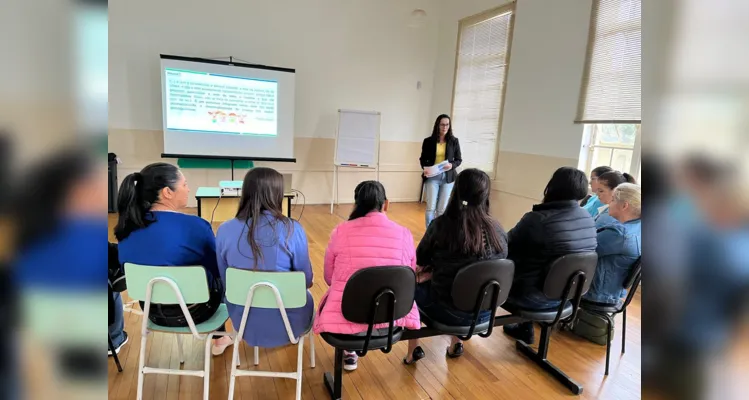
[
  {"x": 63, "y": 317},
  {"x": 634, "y": 275},
  {"x": 190, "y": 280},
  {"x": 291, "y": 285},
  {"x": 566, "y": 267},
  {"x": 471, "y": 280},
  {"x": 633, "y": 282},
  {"x": 364, "y": 287}
]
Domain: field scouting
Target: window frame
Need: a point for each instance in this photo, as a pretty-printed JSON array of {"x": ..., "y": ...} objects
[
  {"x": 473, "y": 20},
  {"x": 589, "y": 146}
]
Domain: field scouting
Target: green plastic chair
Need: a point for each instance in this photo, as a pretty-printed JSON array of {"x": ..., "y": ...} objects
[
  {"x": 174, "y": 285},
  {"x": 263, "y": 289}
]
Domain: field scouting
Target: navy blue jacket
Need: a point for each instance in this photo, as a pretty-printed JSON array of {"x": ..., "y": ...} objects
[{"x": 548, "y": 232}]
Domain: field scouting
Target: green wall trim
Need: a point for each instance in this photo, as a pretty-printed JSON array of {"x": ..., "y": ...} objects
[{"x": 213, "y": 163}]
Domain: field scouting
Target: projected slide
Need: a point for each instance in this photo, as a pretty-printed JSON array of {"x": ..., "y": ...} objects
[{"x": 206, "y": 102}]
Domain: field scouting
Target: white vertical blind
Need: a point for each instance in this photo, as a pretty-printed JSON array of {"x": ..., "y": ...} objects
[
  {"x": 481, "y": 69},
  {"x": 611, "y": 79}
]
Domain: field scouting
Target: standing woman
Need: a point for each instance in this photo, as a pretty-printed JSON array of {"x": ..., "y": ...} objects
[{"x": 438, "y": 147}]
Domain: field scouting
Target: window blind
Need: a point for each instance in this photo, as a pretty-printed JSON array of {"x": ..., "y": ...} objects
[
  {"x": 611, "y": 79},
  {"x": 481, "y": 69}
]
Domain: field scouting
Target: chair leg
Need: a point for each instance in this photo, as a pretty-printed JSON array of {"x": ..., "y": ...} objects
[
  {"x": 256, "y": 350},
  {"x": 141, "y": 364},
  {"x": 609, "y": 326},
  {"x": 234, "y": 364},
  {"x": 311, "y": 350},
  {"x": 334, "y": 383},
  {"x": 540, "y": 359},
  {"x": 624, "y": 330},
  {"x": 207, "y": 366},
  {"x": 179, "y": 349},
  {"x": 299, "y": 359},
  {"x": 114, "y": 354}
]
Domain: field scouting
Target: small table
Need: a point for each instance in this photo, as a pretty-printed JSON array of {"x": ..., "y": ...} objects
[{"x": 224, "y": 207}]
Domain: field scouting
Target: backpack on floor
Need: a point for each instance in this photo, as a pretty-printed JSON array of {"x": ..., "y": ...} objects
[{"x": 590, "y": 326}]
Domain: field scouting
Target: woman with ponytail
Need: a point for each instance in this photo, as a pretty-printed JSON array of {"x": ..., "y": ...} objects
[
  {"x": 152, "y": 230},
  {"x": 607, "y": 182},
  {"x": 463, "y": 235},
  {"x": 262, "y": 238},
  {"x": 368, "y": 239}
]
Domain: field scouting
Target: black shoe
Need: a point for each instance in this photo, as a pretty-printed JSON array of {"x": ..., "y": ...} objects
[
  {"x": 522, "y": 331},
  {"x": 417, "y": 355},
  {"x": 457, "y": 351}
]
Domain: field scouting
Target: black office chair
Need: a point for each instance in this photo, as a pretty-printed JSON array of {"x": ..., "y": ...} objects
[
  {"x": 111, "y": 321},
  {"x": 372, "y": 296},
  {"x": 481, "y": 286},
  {"x": 609, "y": 311},
  {"x": 567, "y": 279}
]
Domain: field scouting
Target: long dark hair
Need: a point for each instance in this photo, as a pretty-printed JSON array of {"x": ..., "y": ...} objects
[
  {"x": 613, "y": 179},
  {"x": 262, "y": 191},
  {"x": 138, "y": 192},
  {"x": 566, "y": 184},
  {"x": 368, "y": 196},
  {"x": 436, "y": 128},
  {"x": 466, "y": 222}
]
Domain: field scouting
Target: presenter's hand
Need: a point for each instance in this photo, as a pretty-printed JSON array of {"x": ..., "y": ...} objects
[{"x": 448, "y": 167}]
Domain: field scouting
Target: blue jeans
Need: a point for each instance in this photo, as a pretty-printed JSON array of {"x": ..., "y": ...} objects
[
  {"x": 437, "y": 193},
  {"x": 118, "y": 326}
]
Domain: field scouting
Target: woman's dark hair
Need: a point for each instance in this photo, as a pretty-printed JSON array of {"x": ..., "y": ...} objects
[
  {"x": 368, "y": 196},
  {"x": 436, "y": 128},
  {"x": 598, "y": 171},
  {"x": 613, "y": 179},
  {"x": 262, "y": 191},
  {"x": 466, "y": 227},
  {"x": 138, "y": 192},
  {"x": 41, "y": 194},
  {"x": 566, "y": 184}
]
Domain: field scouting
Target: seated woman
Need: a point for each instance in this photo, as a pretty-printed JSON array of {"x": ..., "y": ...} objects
[
  {"x": 619, "y": 245},
  {"x": 556, "y": 227},
  {"x": 593, "y": 203},
  {"x": 151, "y": 231},
  {"x": 463, "y": 235},
  {"x": 368, "y": 239},
  {"x": 262, "y": 238},
  {"x": 605, "y": 188}
]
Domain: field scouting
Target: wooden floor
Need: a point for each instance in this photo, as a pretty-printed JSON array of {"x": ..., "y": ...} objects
[{"x": 491, "y": 368}]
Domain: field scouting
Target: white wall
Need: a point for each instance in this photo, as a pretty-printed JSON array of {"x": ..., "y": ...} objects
[
  {"x": 544, "y": 78},
  {"x": 355, "y": 54},
  {"x": 451, "y": 12}
]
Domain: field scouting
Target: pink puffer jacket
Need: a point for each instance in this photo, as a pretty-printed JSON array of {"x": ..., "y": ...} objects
[{"x": 372, "y": 240}]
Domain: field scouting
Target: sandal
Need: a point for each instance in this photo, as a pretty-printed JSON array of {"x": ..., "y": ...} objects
[
  {"x": 457, "y": 350},
  {"x": 417, "y": 355}
]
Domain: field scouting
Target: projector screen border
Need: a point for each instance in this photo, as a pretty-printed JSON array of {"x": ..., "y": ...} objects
[
  {"x": 222, "y": 62},
  {"x": 231, "y": 158}
]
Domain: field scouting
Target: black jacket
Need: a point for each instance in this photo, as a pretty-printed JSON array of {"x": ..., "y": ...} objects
[
  {"x": 445, "y": 265},
  {"x": 452, "y": 155},
  {"x": 548, "y": 232}
]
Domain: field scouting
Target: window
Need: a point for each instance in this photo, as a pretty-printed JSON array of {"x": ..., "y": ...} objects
[
  {"x": 611, "y": 79},
  {"x": 614, "y": 145},
  {"x": 480, "y": 76}
]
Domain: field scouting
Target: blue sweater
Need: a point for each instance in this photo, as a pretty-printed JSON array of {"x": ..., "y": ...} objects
[
  {"x": 282, "y": 252},
  {"x": 73, "y": 258},
  {"x": 174, "y": 239}
]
